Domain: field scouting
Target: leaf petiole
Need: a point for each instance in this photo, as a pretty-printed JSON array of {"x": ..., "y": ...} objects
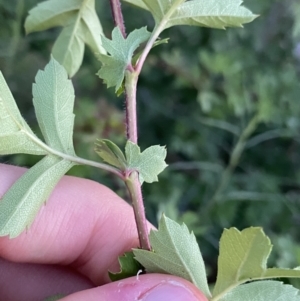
[
  {"x": 155, "y": 34},
  {"x": 75, "y": 159}
]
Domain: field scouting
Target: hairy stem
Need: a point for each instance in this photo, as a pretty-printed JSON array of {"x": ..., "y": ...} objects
[
  {"x": 132, "y": 182},
  {"x": 131, "y": 79},
  {"x": 134, "y": 188},
  {"x": 155, "y": 34},
  {"x": 117, "y": 15},
  {"x": 75, "y": 159}
]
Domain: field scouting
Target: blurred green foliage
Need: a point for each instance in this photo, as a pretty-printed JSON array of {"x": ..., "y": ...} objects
[{"x": 225, "y": 103}]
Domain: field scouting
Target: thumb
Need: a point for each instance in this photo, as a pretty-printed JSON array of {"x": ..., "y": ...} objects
[{"x": 150, "y": 287}]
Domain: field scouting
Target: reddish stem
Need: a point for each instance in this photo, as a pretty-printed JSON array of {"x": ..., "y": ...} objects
[
  {"x": 132, "y": 181},
  {"x": 118, "y": 16}
]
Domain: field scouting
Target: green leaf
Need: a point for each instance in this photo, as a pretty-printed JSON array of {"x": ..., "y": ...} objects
[
  {"x": 134, "y": 60},
  {"x": 149, "y": 163},
  {"x": 243, "y": 257},
  {"x": 176, "y": 252},
  {"x": 110, "y": 153},
  {"x": 22, "y": 201},
  {"x": 53, "y": 99},
  {"x": 80, "y": 26},
  {"x": 121, "y": 51},
  {"x": 156, "y": 43},
  {"x": 129, "y": 267},
  {"x": 213, "y": 13},
  {"x": 280, "y": 273},
  {"x": 263, "y": 291},
  {"x": 138, "y": 3},
  {"x": 15, "y": 136}
]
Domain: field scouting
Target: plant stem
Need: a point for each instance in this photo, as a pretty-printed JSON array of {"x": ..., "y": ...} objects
[
  {"x": 134, "y": 188},
  {"x": 233, "y": 162},
  {"x": 132, "y": 182},
  {"x": 155, "y": 34},
  {"x": 75, "y": 159},
  {"x": 117, "y": 15},
  {"x": 131, "y": 79}
]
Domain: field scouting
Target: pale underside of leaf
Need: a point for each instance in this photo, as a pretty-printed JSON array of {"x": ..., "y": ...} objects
[
  {"x": 176, "y": 252},
  {"x": 51, "y": 13},
  {"x": 14, "y": 130},
  {"x": 214, "y": 13},
  {"x": 121, "y": 52},
  {"x": 68, "y": 49},
  {"x": 149, "y": 163},
  {"x": 21, "y": 203},
  {"x": 81, "y": 25},
  {"x": 263, "y": 291},
  {"x": 112, "y": 71},
  {"x": 53, "y": 98},
  {"x": 138, "y": 3}
]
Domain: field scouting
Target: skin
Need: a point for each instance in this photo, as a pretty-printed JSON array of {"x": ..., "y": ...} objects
[{"x": 75, "y": 239}]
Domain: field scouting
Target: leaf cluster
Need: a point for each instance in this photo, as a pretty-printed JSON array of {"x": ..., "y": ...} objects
[
  {"x": 80, "y": 24},
  {"x": 54, "y": 91},
  {"x": 242, "y": 261},
  {"x": 226, "y": 81},
  {"x": 148, "y": 164},
  {"x": 213, "y": 14}
]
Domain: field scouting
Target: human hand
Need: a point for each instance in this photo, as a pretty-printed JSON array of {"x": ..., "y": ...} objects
[{"x": 75, "y": 239}]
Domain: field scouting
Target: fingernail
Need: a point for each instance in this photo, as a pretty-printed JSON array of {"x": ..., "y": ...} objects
[{"x": 171, "y": 291}]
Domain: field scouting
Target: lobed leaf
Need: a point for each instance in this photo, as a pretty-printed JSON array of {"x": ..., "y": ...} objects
[
  {"x": 149, "y": 163},
  {"x": 121, "y": 51},
  {"x": 243, "y": 257},
  {"x": 262, "y": 291},
  {"x": 174, "y": 251},
  {"x": 16, "y": 135},
  {"x": 111, "y": 153},
  {"x": 81, "y": 26},
  {"x": 53, "y": 99},
  {"x": 129, "y": 267},
  {"x": 213, "y": 13},
  {"x": 21, "y": 203}
]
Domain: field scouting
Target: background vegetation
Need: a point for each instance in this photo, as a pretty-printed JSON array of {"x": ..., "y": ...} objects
[{"x": 226, "y": 104}]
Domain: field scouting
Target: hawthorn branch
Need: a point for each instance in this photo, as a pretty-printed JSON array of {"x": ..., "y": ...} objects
[
  {"x": 118, "y": 16},
  {"x": 132, "y": 180}
]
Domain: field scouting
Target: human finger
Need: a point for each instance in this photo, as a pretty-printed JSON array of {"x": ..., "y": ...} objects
[
  {"x": 35, "y": 282},
  {"x": 149, "y": 287},
  {"x": 83, "y": 224}
]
